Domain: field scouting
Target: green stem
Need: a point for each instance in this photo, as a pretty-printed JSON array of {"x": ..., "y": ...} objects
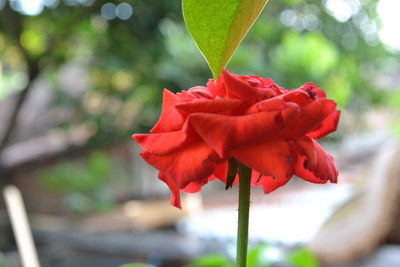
[{"x": 244, "y": 207}]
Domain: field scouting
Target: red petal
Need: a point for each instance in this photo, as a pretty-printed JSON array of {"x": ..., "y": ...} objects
[
  {"x": 225, "y": 133},
  {"x": 191, "y": 162},
  {"x": 209, "y": 106},
  {"x": 298, "y": 96},
  {"x": 327, "y": 126},
  {"x": 221, "y": 170},
  {"x": 201, "y": 91},
  {"x": 175, "y": 195},
  {"x": 217, "y": 88},
  {"x": 311, "y": 116},
  {"x": 170, "y": 119},
  {"x": 313, "y": 90},
  {"x": 161, "y": 143},
  {"x": 193, "y": 187},
  {"x": 268, "y": 183},
  {"x": 271, "y": 104},
  {"x": 271, "y": 157},
  {"x": 313, "y": 163},
  {"x": 239, "y": 88}
]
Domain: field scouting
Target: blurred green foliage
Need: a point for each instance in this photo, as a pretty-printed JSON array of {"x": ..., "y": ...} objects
[
  {"x": 211, "y": 260},
  {"x": 85, "y": 185},
  {"x": 263, "y": 255}
]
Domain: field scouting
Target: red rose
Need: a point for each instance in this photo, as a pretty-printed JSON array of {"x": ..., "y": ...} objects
[{"x": 267, "y": 128}]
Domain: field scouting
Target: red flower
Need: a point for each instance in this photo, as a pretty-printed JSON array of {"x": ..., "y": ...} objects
[{"x": 265, "y": 127}]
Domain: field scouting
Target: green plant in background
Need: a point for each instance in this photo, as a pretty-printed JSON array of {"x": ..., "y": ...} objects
[
  {"x": 263, "y": 255},
  {"x": 84, "y": 184},
  {"x": 137, "y": 265},
  {"x": 211, "y": 260}
]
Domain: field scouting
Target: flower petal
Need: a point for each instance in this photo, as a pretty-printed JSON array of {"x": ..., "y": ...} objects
[
  {"x": 225, "y": 133},
  {"x": 313, "y": 90},
  {"x": 201, "y": 91},
  {"x": 209, "y": 105},
  {"x": 161, "y": 143},
  {"x": 327, "y": 126},
  {"x": 170, "y": 119},
  {"x": 220, "y": 171},
  {"x": 239, "y": 88},
  {"x": 298, "y": 96},
  {"x": 193, "y": 187},
  {"x": 311, "y": 116},
  {"x": 313, "y": 163},
  {"x": 194, "y": 161},
  {"x": 270, "y": 157},
  {"x": 174, "y": 191},
  {"x": 217, "y": 88},
  {"x": 268, "y": 183},
  {"x": 270, "y": 104}
]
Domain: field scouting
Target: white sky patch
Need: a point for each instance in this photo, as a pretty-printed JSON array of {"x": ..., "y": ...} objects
[
  {"x": 30, "y": 7},
  {"x": 389, "y": 13},
  {"x": 343, "y": 10}
]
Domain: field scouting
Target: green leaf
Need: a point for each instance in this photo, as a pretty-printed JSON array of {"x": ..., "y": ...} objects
[
  {"x": 211, "y": 260},
  {"x": 302, "y": 257},
  {"x": 263, "y": 255},
  {"x": 218, "y": 27},
  {"x": 136, "y": 265}
]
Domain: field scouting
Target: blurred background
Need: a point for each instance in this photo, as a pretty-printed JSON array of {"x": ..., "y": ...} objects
[{"x": 79, "y": 77}]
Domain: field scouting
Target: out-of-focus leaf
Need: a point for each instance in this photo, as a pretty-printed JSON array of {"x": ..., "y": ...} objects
[
  {"x": 218, "y": 27},
  {"x": 302, "y": 257},
  {"x": 269, "y": 255},
  {"x": 254, "y": 256},
  {"x": 394, "y": 100},
  {"x": 137, "y": 265},
  {"x": 212, "y": 260}
]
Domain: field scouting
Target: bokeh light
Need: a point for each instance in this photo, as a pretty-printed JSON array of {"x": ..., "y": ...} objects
[
  {"x": 27, "y": 7},
  {"x": 124, "y": 11},
  {"x": 388, "y": 11},
  {"x": 342, "y": 10},
  {"x": 108, "y": 11}
]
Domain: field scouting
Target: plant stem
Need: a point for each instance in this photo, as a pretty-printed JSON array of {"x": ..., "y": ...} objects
[{"x": 244, "y": 207}]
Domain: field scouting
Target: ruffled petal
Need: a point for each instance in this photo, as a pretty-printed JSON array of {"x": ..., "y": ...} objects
[
  {"x": 225, "y": 133},
  {"x": 311, "y": 116},
  {"x": 240, "y": 88},
  {"x": 201, "y": 92},
  {"x": 268, "y": 183},
  {"x": 220, "y": 171},
  {"x": 298, "y": 96},
  {"x": 313, "y": 90},
  {"x": 313, "y": 163},
  {"x": 170, "y": 119},
  {"x": 194, "y": 161},
  {"x": 327, "y": 126},
  {"x": 161, "y": 143},
  {"x": 217, "y": 88},
  {"x": 271, "y": 157},
  {"x": 209, "y": 105},
  {"x": 271, "y": 104},
  {"x": 193, "y": 187},
  {"x": 175, "y": 197}
]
